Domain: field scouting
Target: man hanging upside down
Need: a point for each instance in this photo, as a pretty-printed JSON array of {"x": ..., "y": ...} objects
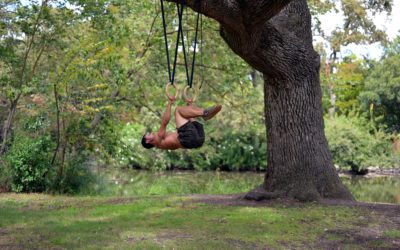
[{"x": 190, "y": 133}]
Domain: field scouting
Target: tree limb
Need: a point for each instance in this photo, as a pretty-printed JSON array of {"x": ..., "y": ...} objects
[
  {"x": 31, "y": 42},
  {"x": 258, "y": 12},
  {"x": 234, "y": 14},
  {"x": 226, "y": 12}
]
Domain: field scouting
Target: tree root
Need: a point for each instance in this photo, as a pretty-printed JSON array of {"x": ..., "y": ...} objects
[
  {"x": 259, "y": 193},
  {"x": 259, "y": 196},
  {"x": 305, "y": 194}
]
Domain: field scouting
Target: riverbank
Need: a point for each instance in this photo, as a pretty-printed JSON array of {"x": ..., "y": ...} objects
[
  {"x": 372, "y": 172},
  {"x": 126, "y": 183},
  {"x": 34, "y": 221}
]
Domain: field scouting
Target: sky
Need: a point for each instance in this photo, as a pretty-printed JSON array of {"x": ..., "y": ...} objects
[{"x": 389, "y": 24}]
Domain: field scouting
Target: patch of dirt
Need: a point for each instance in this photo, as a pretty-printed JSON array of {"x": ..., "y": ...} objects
[
  {"x": 160, "y": 239},
  {"x": 30, "y": 241},
  {"x": 239, "y": 244},
  {"x": 40, "y": 206},
  {"x": 163, "y": 238},
  {"x": 238, "y": 200},
  {"x": 365, "y": 238},
  {"x": 171, "y": 236},
  {"x": 7, "y": 241}
]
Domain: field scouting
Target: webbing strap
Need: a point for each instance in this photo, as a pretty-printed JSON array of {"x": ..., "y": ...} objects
[
  {"x": 171, "y": 73},
  {"x": 201, "y": 52},
  {"x": 194, "y": 52},
  {"x": 165, "y": 39},
  {"x": 180, "y": 32},
  {"x": 180, "y": 12},
  {"x": 180, "y": 36}
]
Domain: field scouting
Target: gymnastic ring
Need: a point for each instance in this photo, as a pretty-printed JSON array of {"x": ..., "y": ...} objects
[
  {"x": 185, "y": 96},
  {"x": 167, "y": 90}
]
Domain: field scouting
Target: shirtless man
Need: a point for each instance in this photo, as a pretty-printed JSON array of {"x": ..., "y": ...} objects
[{"x": 190, "y": 133}]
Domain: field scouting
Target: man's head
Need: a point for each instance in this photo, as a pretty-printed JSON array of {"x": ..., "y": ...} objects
[{"x": 147, "y": 140}]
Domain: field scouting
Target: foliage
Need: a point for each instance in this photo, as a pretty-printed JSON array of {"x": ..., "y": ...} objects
[
  {"x": 29, "y": 161},
  {"x": 358, "y": 26},
  {"x": 30, "y": 33},
  {"x": 356, "y": 144},
  {"x": 381, "y": 96},
  {"x": 347, "y": 82}
]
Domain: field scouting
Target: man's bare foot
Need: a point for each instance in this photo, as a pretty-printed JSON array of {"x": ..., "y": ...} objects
[{"x": 211, "y": 112}]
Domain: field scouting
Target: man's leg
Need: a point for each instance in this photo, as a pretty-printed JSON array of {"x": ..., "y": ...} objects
[
  {"x": 188, "y": 113},
  {"x": 184, "y": 114}
]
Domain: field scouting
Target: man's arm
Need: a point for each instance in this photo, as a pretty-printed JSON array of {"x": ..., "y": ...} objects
[{"x": 165, "y": 120}]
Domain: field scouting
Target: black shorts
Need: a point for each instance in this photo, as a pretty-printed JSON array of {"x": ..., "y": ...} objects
[{"x": 191, "y": 135}]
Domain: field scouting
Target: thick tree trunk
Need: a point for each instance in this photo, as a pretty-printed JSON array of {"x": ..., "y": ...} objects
[
  {"x": 299, "y": 162},
  {"x": 275, "y": 38}
]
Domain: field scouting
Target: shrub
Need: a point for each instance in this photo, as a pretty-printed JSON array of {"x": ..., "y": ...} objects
[
  {"x": 28, "y": 161},
  {"x": 356, "y": 145}
]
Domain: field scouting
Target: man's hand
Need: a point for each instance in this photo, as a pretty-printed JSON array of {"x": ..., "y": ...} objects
[
  {"x": 189, "y": 102},
  {"x": 171, "y": 99}
]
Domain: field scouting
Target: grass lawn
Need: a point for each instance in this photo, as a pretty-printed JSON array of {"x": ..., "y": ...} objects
[{"x": 35, "y": 221}]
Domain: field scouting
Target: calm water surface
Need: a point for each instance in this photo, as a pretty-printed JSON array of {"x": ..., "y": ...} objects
[{"x": 132, "y": 182}]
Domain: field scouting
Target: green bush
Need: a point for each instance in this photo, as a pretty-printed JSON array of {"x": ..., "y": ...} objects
[
  {"x": 28, "y": 161},
  {"x": 355, "y": 144},
  {"x": 229, "y": 150}
]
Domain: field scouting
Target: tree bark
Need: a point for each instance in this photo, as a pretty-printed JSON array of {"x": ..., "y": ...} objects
[{"x": 275, "y": 38}]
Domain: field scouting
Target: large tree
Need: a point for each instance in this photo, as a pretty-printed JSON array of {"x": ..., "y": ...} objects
[{"x": 275, "y": 37}]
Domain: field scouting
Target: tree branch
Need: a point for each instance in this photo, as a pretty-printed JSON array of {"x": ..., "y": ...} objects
[
  {"x": 226, "y": 12},
  {"x": 30, "y": 44},
  {"x": 146, "y": 47},
  {"x": 258, "y": 12}
]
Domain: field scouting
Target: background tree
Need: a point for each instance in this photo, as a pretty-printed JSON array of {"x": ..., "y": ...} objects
[
  {"x": 381, "y": 95},
  {"x": 348, "y": 82},
  {"x": 358, "y": 27},
  {"x": 29, "y": 33}
]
